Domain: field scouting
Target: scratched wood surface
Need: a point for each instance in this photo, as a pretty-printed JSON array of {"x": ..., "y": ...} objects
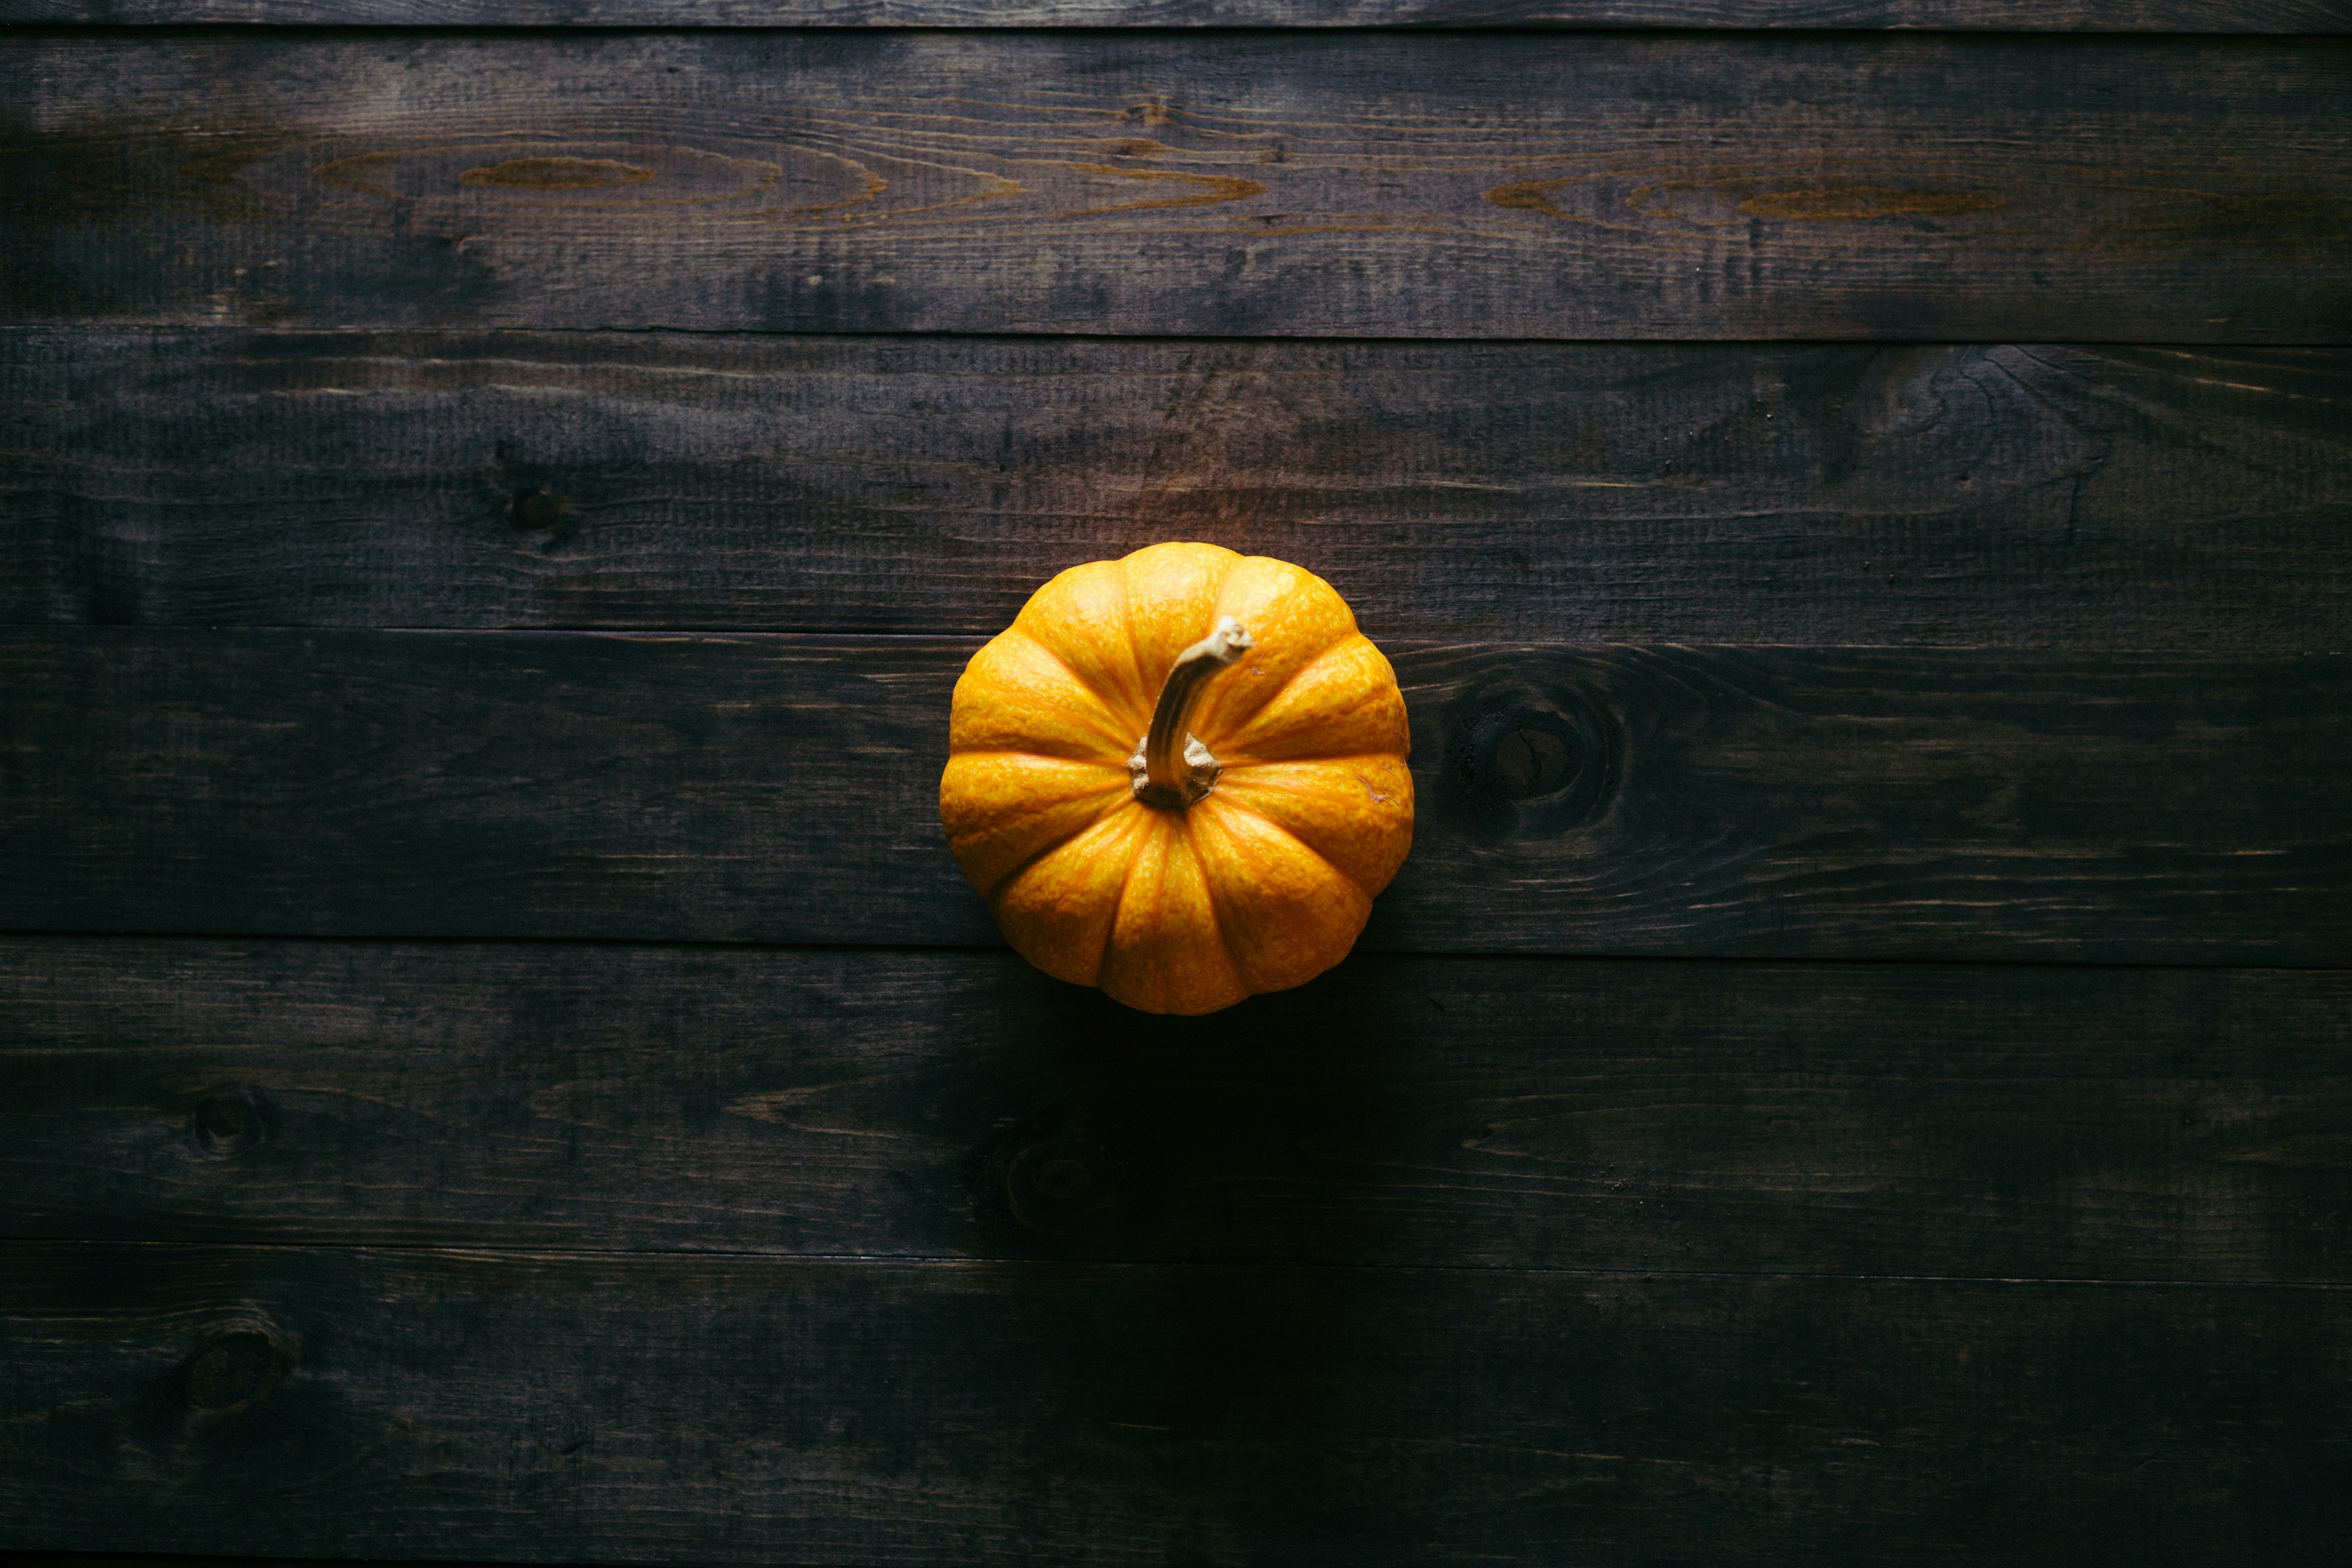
[
  {"x": 1602, "y": 186},
  {"x": 1937, "y": 803},
  {"x": 2005, "y": 15},
  {"x": 2044, "y": 1121},
  {"x": 2030, "y": 495}
]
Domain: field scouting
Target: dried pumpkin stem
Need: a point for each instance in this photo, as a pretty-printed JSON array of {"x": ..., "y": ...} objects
[{"x": 1170, "y": 768}]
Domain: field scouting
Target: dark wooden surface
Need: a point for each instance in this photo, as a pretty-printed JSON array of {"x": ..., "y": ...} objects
[
  {"x": 1871, "y": 803},
  {"x": 650, "y": 1407},
  {"x": 1604, "y": 185},
  {"x": 2042, "y": 496},
  {"x": 501, "y": 1065},
  {"x": 1959, "y": 16},
  {"x": 2047, "y": 1122}
]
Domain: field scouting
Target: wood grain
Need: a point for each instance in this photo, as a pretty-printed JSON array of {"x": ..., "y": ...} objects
[
  {"x": 1506, "y": 1114},
  {"x": 1764, "y": 802},
  {"x": 646, "y": 1408},
  {"x": 2003, "y": 15},
  {"x": 1996, "y": 187},
  {"x": 2044, "y": 496}
]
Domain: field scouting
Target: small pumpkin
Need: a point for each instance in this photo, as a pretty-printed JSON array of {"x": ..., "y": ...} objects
[{"x": 1180, "y": 776}]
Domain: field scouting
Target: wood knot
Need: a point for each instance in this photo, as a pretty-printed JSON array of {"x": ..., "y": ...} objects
[
  {"x": 1055, "y": 1184},
  {"x": 234, "y": 1371},
  {"x": 539, "y": 511},
  {"x": 228, "y": 1122},
  {"x": 1524, "y": 762},
  {"x": 1529, "y": 759},
  {"x": 556, "y": 173},
  {"x": 1074, "y": 1177}
]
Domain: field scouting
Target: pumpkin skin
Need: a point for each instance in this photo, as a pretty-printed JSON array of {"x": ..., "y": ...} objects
[{"x": 1260, "y": 885}]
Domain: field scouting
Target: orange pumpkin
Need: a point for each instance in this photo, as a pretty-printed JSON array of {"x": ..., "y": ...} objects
[{"x": 1180, "y": 776}]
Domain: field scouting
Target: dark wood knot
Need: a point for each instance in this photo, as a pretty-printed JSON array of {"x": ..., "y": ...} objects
[
  {"x": 540, "y": 511},
  {"x": 1525, "y": 757},
  {"x": 228, "y": 1122},
  {"x": 1523, "y": 761},
  {"x": 1055, "y": 1184},
  {"x": 234, "y": 1371}
]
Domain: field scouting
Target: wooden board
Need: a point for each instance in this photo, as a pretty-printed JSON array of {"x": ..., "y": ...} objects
[
  {"x": 1864, "y": 1119},
  {"x": 633, "y": 1407},
  {"x": 2052, "y": 497},
  {"x": 1764, "y": 802},
  {"x": 2005, "y": 15},
  {"x": 1831, "y": 186}
]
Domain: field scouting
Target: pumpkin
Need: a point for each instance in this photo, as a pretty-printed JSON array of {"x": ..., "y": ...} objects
[{"x": 1180, "y": 776}]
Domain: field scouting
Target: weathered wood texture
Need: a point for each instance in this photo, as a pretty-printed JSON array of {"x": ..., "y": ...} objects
[
  {"x": 2045, "y": 496},
  {"x": 1871, "y": 1119},
  {"x": 75, "y": 1559},
  {"x": 1835, "y": 802},
  {"x": 1356, "y": 185},
  {"x": 1953, "y": 16},
  {"x": 623, "y": 1408}
]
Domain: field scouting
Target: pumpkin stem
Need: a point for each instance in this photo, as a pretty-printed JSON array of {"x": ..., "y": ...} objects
[{"x": 1170, "y": 769}]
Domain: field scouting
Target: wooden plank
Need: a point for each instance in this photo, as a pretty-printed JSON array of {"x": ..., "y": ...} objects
[
  {"x": 74, "y": 1558},
  {"x": 659, "y": 1407},
  {"x": 71, "y": 1559},
  {"x": 1756, "y": 802},
  {"x": 1871, "y": 1119},
  {"x": 2055, "y": 497},
  {"x": 1950, "y": 16},
  {"x": 1996, "y": 187}
]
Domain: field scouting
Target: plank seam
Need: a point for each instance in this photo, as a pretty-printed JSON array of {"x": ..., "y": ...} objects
[
  {"x": 1064, "y": 1265},
  {"x": 694, "y": 945}
]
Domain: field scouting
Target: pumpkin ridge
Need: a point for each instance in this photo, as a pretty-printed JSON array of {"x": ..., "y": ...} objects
[
  {"x": 1111, "y": 703},
  {"x": 1126, "y": 886},
  {"x": 1118, "y": 771},
  {"x": 1232, "y": 722},
  {"x": 1316, "y": 800},
  {"x": 1140, "y": 698},
  {"x": 1030, "y": 860},
  {"x": 1208, "y": 889},
  {"x": 1305, "y": 583},
  {"x": 1245, "y": 759},
  {"x": 1231, "y": 804},
  {"x": 1330, "y": 757},
  {"x": 1141, "y": 628},
  {"x": 1121, "y": 847},
  {"x": 1031, "y": 617}
]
